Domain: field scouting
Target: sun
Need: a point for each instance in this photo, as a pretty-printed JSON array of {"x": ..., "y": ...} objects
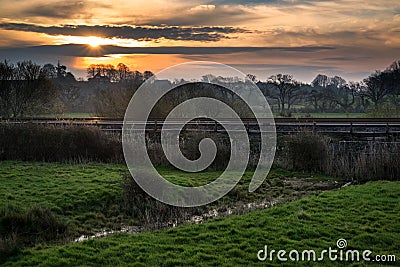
[{"x": 93, "y": 41}]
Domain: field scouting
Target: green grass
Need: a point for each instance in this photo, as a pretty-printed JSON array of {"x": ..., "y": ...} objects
[
  {"x": 81, "y": 194},
  {"x": 367, "y": 216},
  {"x": 88, "y": 196}
]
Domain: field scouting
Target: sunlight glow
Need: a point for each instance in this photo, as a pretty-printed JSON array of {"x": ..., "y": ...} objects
[{"x": 96, "y": 42}]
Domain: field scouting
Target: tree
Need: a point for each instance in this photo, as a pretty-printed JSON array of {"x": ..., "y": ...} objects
[
  {"x": 122, "y": 71},
  {"x": 25, "y": 89},
  {"x": 285, "y": 90},
  {"x": 147, "y": 74},
  {"x": 91, "y": 71},
  {"x": 344, "y": 94},
  {"x": 391, "y": 78},
  {"x": 7, "y": 74},
  {"x": 50, "y": 71},
  {"x": 376, "y": 89},
  {"x": 251, "y": 77},
  {"x": 61, "y": 70},
  {"x": 332, "y": 93},
  {"x": 111, "y": 72}
]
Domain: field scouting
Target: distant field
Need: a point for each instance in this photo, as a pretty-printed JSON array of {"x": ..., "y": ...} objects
[
  {"x": 328, "y": 115},
  {"x": 367, "y": 216},
  {"x": 67, "y": 115}
]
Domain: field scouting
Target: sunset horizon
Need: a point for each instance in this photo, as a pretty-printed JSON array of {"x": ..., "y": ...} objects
[{"x": 303, "y": 37}]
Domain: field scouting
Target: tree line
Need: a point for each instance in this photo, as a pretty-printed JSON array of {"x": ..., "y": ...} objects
[
  {"x": 27, "y": 88},
  {"x": 334, "y": 94},
  {"x": 378, "y": 92}
]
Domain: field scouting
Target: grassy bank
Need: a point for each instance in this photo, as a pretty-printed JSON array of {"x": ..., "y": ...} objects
[
  {"x": 88, "y": 197},
  {"x": 367, "y": 216}
]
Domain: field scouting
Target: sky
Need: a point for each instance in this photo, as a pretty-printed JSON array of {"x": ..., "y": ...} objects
[{"x": 349, "y": 38}]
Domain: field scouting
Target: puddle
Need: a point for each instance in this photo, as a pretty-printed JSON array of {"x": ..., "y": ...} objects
[{"x": 197, "y": 219}]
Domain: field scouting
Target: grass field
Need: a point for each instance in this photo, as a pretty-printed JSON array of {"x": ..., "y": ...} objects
[
  {"x": 367, "y": 216},
  {"x": 88, "y": 196},
  {"x": 329, "y": 115}
]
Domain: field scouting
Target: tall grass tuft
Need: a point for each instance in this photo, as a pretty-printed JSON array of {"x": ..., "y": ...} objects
[
  {"x": 20, "y": 228},
  {"x": 313, "y": 152},
  {"x": 369, "y": 163}
]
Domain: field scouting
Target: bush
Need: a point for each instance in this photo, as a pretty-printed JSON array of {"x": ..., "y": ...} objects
[
  {"x": 307, "y": 151},
  {"x": 31, "y": 142},
  {"x": 190, "y": 148},
  {"x": 153, "y": 213}
]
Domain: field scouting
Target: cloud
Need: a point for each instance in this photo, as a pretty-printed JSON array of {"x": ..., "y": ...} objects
[
  {"x": 245, "y": 2},
  {"x": 208, "y": 15},
  {"x": 77, "y": 50},
  {"x": 350, "y": 58},
  {"x": 334, "y": 37},
  {"x": 267, "y": 2},
  {"x": 214, "y": 33},
  {"x": 61, "y": 9}
]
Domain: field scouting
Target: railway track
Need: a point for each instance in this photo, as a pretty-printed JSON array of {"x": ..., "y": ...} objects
[{"x": 368, "y": 127}]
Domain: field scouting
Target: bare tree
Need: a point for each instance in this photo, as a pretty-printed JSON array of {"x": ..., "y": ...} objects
[
  {"x": 285, "y": 90},
  {"x": 344, "y": 94},
  {"x": 376, "y": 89},
  {"x": 25, "y": 89}
]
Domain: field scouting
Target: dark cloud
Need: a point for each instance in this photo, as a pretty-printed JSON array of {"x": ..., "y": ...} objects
[
  {"x": 350, "y": 58},
  {"x": 76, "y": 50},
  {"x": 214, "y": 33},
  {"x": 63, "y": 9}
]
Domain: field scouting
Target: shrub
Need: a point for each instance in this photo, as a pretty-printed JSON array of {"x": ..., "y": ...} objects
[
  {"x": 190, "y": 148},
  {"x": 307, "y": 151},
  {"x": 153, "y": 213},
  {"x": 31, "y": 142}
]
